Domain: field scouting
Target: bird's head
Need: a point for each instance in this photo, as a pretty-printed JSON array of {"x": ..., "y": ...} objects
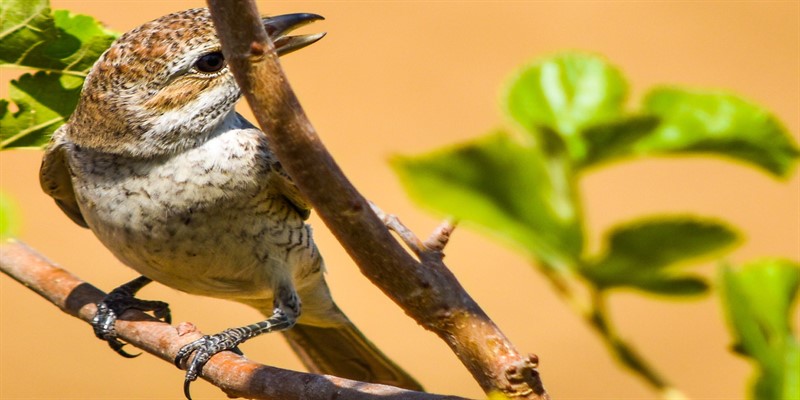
[{"x": 165, "y": 86}]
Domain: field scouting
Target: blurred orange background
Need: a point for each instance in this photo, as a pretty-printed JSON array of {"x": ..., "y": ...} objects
[{"x": 406, "y": 77}]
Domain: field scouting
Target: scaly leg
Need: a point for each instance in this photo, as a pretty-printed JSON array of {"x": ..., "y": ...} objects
[
  {"x": 116, "y": 303},
  {"x": 284, "y": 316}
]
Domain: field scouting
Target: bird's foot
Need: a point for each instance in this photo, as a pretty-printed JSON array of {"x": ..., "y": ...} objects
[
  {"x": 204, "y": 348},
  {"x": 116, "y": 303}
]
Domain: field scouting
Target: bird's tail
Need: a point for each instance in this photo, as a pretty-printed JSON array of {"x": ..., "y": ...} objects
[{"x": 344, "y": 351}]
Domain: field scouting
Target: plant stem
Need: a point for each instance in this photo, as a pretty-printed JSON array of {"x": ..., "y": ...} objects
[
  {"x": 623, "y": 351},
  {"x": 594, "y": 311}
]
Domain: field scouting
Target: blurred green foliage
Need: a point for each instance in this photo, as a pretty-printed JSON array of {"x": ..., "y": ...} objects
[
  {"x": 518, "y": 184},
  {"x": 759, "y": 299}
]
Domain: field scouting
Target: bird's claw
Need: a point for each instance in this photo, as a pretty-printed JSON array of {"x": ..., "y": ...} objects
[
  {"x": 117, "y": 345},
  {"x": 113, "y": 306},
  {"x": 203, "y": 349},
  {"x": 103, "y": 325}
]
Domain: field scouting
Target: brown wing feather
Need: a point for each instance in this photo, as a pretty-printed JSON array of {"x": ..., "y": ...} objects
[
  {"x": 54, "y": 176},
  {"x": 281, "y": 181}
]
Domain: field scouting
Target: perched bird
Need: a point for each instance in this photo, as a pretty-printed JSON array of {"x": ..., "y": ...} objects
[{"x": 181, "y": 188}]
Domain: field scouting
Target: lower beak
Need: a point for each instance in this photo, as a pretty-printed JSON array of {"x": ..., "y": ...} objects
[{"x": 278, "y": 26}]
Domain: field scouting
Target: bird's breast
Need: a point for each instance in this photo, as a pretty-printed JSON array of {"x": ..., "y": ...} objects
[{"x": 203, "y": 221}]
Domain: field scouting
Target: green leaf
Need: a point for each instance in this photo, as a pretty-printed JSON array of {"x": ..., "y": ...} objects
[
  {"x": 25, "y": 25},
  {"x": 758, "y": 299},
  {"x": 9, "y": 217},
  {"x": 566, "y": 93},
  {"x": 615, "y": 139},
  {"x": 33, "y": 37},
  {"x": 665, "y": 284},
  {"x": 639, "y": 253},
  {"x": 62, "y": 44},
  {"x": 520, "y": 193},
  {"x": 720, "y": 124},
  {"x": 44, "y": 102}
]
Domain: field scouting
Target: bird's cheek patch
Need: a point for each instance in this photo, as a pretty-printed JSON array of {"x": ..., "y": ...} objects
[{"x": 178, "y": 94}]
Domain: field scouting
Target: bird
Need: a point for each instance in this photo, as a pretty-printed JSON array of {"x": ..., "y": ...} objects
[{"x": 157, "y": 163}]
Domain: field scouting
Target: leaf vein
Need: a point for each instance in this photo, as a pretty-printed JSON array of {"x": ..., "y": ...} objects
[
  {"x": 25, "y": 132},
  {"x": 23, "y": 23}
]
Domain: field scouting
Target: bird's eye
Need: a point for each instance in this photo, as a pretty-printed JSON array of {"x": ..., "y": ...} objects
[{"x": 211, "y": 62}]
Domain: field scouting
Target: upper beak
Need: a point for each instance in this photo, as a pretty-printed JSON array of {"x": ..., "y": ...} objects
[{"x": 278, "y": 26}]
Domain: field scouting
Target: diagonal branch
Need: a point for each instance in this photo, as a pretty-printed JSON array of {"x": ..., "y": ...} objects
[
  {"x": 426, "y": 290},
  {"x": 234, "y": 374}
]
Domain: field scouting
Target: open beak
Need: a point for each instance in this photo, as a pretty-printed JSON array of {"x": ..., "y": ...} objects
[{"x": 278, "y": 26}]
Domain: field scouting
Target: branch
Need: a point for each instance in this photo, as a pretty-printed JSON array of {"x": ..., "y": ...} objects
[
  {"x": 425, "y": 289},
  {"x": 235, "y": 375}
]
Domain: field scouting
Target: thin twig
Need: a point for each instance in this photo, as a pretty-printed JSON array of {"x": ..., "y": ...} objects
[
  {"x": 440, "y": 236},
  {"x": 234, "y": 374},
  {"x": 392, "y": 222},
  {"x": 431, "y": 248},
  {"x": 426, "y": 289}
]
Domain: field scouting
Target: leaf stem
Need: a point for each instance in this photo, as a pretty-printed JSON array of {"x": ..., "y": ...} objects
[
  {"x": 622, "y": 350},
  {"x": 594, "y": 311}
]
